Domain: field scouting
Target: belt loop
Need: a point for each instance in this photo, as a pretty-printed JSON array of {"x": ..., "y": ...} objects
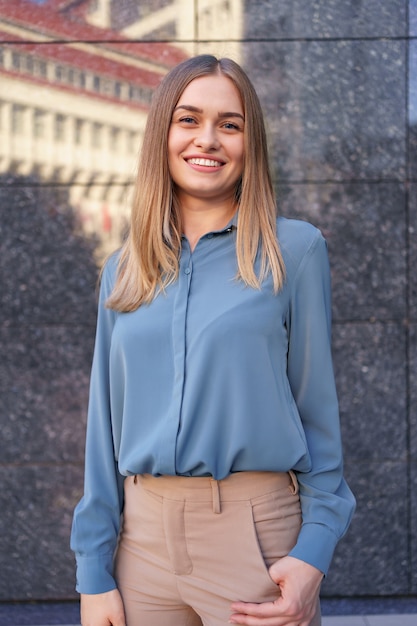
[
  {"x": 293, "y": 487},
  {"x": 215, "y": 490}
]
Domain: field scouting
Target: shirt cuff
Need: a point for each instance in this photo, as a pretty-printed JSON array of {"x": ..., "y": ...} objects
[
  {"x": 315, "y": 545},
  {"x": 95, "y": 574}
]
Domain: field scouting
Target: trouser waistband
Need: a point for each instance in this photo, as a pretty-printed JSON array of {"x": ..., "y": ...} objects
[{"x": 235, "y": 487}]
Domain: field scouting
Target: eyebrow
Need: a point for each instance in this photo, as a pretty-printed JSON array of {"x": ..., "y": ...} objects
[{"x": 190, "y": 107}]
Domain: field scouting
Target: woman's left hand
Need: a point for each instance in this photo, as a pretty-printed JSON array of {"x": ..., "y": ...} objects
[{"x": 299, "y": 585}]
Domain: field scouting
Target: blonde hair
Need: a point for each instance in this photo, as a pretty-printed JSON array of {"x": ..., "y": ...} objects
[{"x": 149, "y": 259}]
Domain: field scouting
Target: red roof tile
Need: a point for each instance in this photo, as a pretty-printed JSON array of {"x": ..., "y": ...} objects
[
  {"x": 61, "y": 20},
  {"x": 88, "y": 61}
]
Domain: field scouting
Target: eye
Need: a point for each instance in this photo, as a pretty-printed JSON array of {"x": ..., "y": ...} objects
[
  {"x": 187, "y": 120},
  {"x": 231, "y": 126}
]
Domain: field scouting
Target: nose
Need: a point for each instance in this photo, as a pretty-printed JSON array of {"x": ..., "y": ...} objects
[{"x": 206, "y": 138}]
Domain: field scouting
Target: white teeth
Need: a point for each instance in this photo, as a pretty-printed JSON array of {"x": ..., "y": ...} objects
[{"x": 205, "y": 162}]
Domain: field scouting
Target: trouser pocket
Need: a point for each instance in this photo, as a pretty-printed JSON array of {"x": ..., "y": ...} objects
[{"x": 277, "y": 523}]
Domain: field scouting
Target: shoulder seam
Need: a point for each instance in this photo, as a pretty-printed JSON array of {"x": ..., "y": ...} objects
[{"x": 313, "y": 245}]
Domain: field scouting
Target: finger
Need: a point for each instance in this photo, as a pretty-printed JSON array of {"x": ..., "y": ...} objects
[
  {"x": 265, "y": 609},
  {"x": 275, "y": 620},
  {"x": 249, "y": 620},
  {"x": 276, "y": 613}
]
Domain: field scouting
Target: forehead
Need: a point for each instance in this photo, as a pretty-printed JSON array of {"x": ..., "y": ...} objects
[{"x": 213, "y": 89}]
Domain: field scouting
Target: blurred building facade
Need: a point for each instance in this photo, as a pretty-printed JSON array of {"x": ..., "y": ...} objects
[{"x": 73, "y": 114}]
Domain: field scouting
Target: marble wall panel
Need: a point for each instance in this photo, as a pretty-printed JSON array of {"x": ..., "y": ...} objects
[
  {"x": 44, "y": 380},
  {"x": 413, "y": 249},
  {"x": 413, "y": 516},
  {"x": 373, "y": 559},
  {"x": 323, "y": 18},
  {"x": 412, "y": 110},
  {"x": 413, "y": 389},
  {"x": 47, "y": 268},
  {"x": 364, "y": 225},
  {"x": 335, "y": 109},
  {"x": 413, "y": 454},
  {"x": 412, "y": 18},
  {"x": 370, "y": 368},
  {"x": 37, "y": 504}
]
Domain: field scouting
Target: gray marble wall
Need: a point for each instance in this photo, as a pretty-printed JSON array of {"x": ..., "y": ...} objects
[{"x": 338, "y": 82}]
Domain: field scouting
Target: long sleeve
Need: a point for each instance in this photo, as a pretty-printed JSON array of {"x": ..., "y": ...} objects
[
  {"x": 97, "y": 516},
  {"x": 326, "y": 500}
]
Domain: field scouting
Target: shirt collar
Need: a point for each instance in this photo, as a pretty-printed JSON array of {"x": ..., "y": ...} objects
[{"x": 230, "y": 227}]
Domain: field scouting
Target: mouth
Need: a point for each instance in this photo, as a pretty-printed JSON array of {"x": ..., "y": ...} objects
[{"x": 204, "y": 162}]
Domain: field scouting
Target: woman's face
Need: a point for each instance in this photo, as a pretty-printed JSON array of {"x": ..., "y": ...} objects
[{"x": 206, "y": 141}]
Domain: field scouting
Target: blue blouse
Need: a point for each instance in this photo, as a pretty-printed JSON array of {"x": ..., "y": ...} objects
[{"x": 215, "y": 377}]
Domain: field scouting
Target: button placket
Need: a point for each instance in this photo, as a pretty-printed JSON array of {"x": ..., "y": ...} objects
[{"x": 179, "y": 321}]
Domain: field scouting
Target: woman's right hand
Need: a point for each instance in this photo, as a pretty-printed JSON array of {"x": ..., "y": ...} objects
[{"x": 102, "y": 609}]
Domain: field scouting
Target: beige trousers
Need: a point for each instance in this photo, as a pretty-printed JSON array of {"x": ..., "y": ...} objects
[{"x": 190, "y": 546}]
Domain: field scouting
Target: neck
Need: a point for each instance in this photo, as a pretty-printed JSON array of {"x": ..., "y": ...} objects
[{"x": 200, "y": 220}]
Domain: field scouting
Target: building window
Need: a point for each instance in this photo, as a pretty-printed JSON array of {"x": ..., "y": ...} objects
[
  {"x": 115, "y": 135},
  {"x": 16, "y": 58},
  {"x": 132, "y": 142},
  {"x": 59, "y": 73},
  {"x": 40, "y": 68},
  {"x": 97, "y": 135},
  {"x": 39, "y": 118},
  {"x": 79, "y": 131},
  {"x": 107, "y": 87},
  {"x": 59, "y": 127},
  {"x": 96, "y": 83},
  {"x": 18, "y": 119},
  {"x": 140, "y": 94},
  {"x": 43, "y": 69},
  {"x": 29, "y": 64},
  {"x": 147, "y": 95},
  {"x": 117, "y": 89},
  {"x": 82, "y": 80}
]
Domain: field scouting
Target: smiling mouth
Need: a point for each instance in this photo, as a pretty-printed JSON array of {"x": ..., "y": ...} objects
[{"x": 205, "y": 162}]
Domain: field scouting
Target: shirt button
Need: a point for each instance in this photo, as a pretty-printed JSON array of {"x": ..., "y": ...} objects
[
  {"x": 210, "y": 236},
  {"x": 187, "y": 270}
]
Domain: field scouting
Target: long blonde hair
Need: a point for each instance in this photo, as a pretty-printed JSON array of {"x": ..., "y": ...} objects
[{"x": 149, "y": 259}]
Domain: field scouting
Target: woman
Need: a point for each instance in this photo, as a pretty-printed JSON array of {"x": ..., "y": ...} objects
[{"x": 213, "y": 419}]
